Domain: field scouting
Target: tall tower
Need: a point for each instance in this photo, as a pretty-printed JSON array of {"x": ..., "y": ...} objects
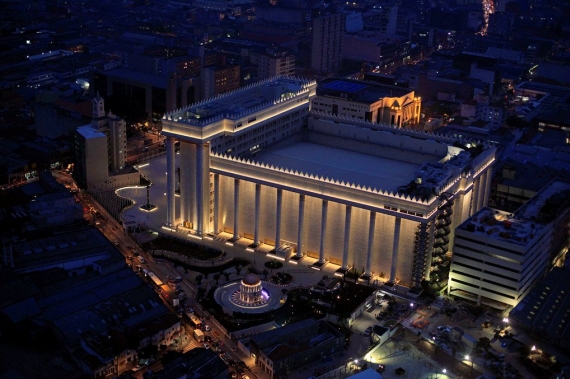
[
  {"x": 326, "y": 52},
  {"x": 115, "y": 129},
  {"x": 98, "y": 107}
]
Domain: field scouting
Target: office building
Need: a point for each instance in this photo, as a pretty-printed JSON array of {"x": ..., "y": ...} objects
[
  {"x": 326, "y": 43},
  {"x": 216, "y": 80},
  {"x": 115, "y": 129},
  {"x": 90, "y": 156},
  {"x": 101, "y": 151},
  {"x": 382, "y": 104},
  {"x": 544, "y": 311},
  {"x": 498, "y": 257},
  {"x": 275, "y": 62},
  {"x": 338, "y": 189}
]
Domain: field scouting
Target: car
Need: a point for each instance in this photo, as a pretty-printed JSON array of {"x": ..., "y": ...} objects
[
  {"x": 381, "y": 368},
  {"x": 207, "y": 328},
  {"x": 130, "y": 258},
  {"x": 244, "y": 376},
  {"x": 207, "y": 338},
  {"x": 116, "y": 243},
  {"x": 206, "y": 346},
  {"x": 97, "y": 222},
  {"x": 178, "y": 279}
]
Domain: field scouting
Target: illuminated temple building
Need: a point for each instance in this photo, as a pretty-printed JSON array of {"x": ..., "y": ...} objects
[{"x": 343, "y": 188}]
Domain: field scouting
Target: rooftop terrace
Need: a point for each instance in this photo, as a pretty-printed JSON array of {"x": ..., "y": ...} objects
[
  {"x": 520, "y": 227},
  {"x": 244, "y": 101}
]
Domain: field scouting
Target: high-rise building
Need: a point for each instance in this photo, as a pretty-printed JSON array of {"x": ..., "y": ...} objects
[
  {"x": 360, "y": 194},
  {"x": 275, "y": 62},
  {"x": 101, "y": 150},
  {"x": 216, "y": 80},
  {"x": 90, "y": 157},
  {"x": 498, "y": 256},
  {"x": 326, "y": 52},
  {"x": 115, "y": 129}
]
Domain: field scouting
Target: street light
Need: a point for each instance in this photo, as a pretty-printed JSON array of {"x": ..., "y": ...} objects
[{"x": 467, "y": 358}]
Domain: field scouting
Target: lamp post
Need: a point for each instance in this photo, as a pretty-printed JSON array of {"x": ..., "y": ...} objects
[{"x": 468, "y": 358}]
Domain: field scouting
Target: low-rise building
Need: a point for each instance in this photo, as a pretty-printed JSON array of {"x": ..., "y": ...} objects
[{"x": 293, "y": 346}]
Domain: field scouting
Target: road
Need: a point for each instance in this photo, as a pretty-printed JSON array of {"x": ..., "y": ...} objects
[{"x": 113, "y": 231}]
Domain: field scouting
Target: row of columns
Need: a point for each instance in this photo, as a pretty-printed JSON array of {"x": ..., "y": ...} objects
[
  {"x": 301, "y": 220},
  {"x": 480, "y": 193},
  {"x": 194, "y": 208},
  {"x": 200, "y": 211},
  {"x": 194, "y": 185}
]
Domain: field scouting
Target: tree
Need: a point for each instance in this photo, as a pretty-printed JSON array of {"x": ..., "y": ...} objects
[
  {"x": 199, "y": 279},
  {"x": 524, "y": 351},
  {"x": 238, "y": 269},
  {"x": 484, "y": 343},
  {"x": 515, "y": 122},
  {"x": 227, "y": 275},
  {"x": 265, "y": 272},
  {"x": 217, "y": 278}
]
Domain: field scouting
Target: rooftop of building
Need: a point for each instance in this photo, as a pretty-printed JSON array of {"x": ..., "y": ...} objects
[
  {"x": 344, "y": 165},
  {"x": 521, "y": 227},
  {"x": 79, "y": 243},
  {"x": 358, "y": 91},
  {"x": 241, "y": 102},
  {"x": 546, "y": 307},
  {"x": 89, "y": 132},
  {"x": 524, "y": 171},
  {"x": 554, "y": 90},
  {"x": 295, "y": 338}
]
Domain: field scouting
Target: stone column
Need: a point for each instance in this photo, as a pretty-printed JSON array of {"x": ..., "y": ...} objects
[
  {"x": 236, "y": 209},
  {"x": 187, "y": 180},
  {"x": 476, "y": 195},
  {"x": 200, "y": 181},
  {"x": 395, "y": 244},
  {"x": 488, "y": 178},
  {"x": 300, "y": 231},
  {"x": 257, "y": 206},
  {"x": 323, "y": 231},
  {"x": 371, "y": 227},
  {"x": 216, "y": 202},
  {"x": 278, "y": 219},
  {"x": 481, "y": 194},
  {"x": 170, "y": 182},
  {"x": 347, "y": 219}
]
